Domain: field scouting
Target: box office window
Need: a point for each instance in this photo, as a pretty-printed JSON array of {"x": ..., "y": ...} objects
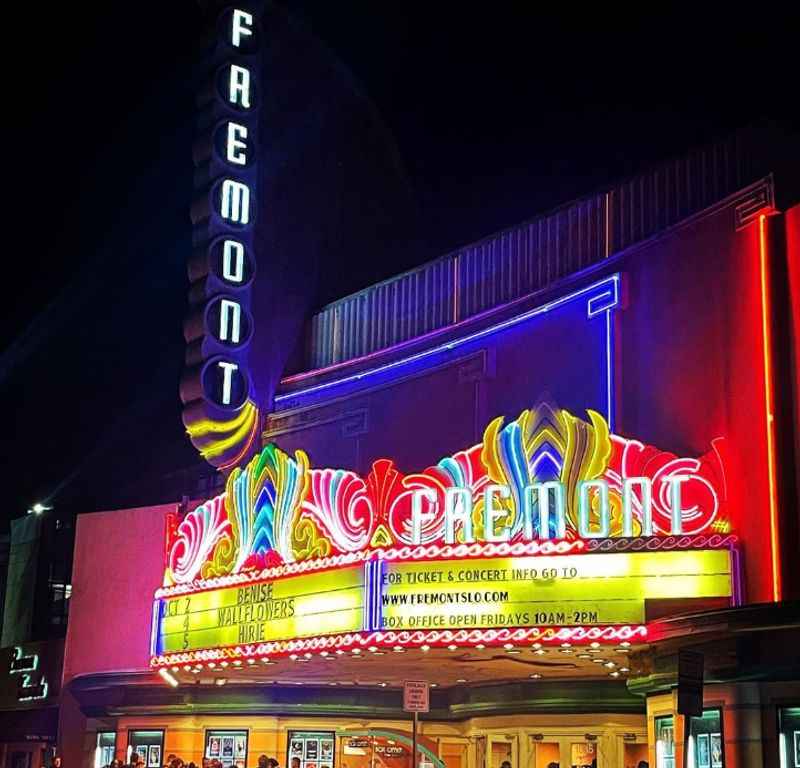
[
  {"x": 789, "y": 736},
  {"x": 665, "y": 742},
  {"x": 149, "y": 745},
  {"x": 706, "y": 744},
  {"x": 105, "y": 748},
  {"x": 310, "y": 749},
  {"x": 229, "y": 747}
]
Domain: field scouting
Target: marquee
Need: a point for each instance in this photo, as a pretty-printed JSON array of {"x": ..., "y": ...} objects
[{"x": 552, "y": 527}]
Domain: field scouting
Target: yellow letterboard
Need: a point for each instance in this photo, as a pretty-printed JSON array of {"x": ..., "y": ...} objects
[
  {"x": 297, "y": 606},
  {"x": 557, "y": 590}
]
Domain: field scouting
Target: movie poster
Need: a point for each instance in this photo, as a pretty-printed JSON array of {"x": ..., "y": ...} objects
[
  {"x": 716, "y": 750},
  {"x": 240, "y": 747},
  {"x": 797, "y": 749},
  {"x": 703, "y": 751},
  {"x": 227, "y": 747},
  {"x": 213, "y": 747},
  {"x": 154, "y": 756},
  {"x": 312, "y": 749}
]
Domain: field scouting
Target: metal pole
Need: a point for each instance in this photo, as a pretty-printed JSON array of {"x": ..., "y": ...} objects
[{"x": 414, "y": 743}]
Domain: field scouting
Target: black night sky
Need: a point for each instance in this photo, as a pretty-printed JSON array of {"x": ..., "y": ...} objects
[{"x": 496, "y": 113}]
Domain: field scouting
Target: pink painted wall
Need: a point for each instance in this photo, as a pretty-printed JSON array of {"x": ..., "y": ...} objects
[{"x": 119, "y": 563}]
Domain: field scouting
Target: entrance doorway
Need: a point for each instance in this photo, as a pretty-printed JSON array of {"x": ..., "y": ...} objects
[
  {"x": 384, "y": 748},
  {"x": 502, "y": 752}
]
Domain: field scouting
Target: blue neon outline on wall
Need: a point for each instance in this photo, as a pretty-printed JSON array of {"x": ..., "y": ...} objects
[
  {"x": 601, "y": 297},
  {"x": 155, "y": 627}
]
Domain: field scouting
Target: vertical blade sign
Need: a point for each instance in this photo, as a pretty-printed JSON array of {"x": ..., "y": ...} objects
[{"x": 220, "y": 409}]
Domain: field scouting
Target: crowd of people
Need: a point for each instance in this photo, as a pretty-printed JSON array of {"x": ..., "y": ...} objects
[{"x": 173, "y": 761}]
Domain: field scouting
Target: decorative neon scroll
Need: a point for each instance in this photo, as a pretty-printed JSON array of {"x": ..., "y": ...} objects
[{"x": 279, "y": 510}]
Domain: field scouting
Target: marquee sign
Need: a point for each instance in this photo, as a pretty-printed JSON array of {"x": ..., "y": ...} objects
[
  {"x": 220, "y": 402},
  {"x": 272, "y": 610},
  {"x": 551, "y": 522},
  {"x": 552, "y": 528}
]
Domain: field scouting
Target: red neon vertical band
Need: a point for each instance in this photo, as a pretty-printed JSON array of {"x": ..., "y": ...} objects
[{"x": 769, "y": 408}]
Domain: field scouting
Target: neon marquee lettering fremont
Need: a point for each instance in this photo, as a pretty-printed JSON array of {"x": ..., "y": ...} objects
[
  {"x": 547, "y": 475},
  {"x": 543, "y": 510},
  {"x": 235, "y": 196}
]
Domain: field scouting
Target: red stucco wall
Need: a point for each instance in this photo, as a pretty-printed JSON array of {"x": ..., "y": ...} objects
[{"x": 119, "y": 563}]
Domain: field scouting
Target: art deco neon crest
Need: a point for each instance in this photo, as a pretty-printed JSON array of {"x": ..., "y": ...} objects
[{"x": 279, "y": 510}]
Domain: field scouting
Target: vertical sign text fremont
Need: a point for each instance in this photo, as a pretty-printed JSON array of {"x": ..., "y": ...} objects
[{"x": 216, "y": 387}]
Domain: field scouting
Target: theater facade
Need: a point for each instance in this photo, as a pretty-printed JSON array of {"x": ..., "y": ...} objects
[{"x": 529, "y": 473}]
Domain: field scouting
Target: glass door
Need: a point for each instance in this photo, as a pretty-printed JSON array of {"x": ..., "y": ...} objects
[
  {"x": 789, "y": 736},
  {"x": 501, "y": 752},
  {"x": 105, "y": 749},
  {"x": 546, "y": 754},
  {"x": 634, "y": 755},
  {"x": 665, "y": 742},
  {"x": 146, "y": 748},
  {"x": 706, "y": 744}
]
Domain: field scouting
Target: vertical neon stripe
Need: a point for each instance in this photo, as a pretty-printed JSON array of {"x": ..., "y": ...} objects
[
  {"x": 456, "y": 291},
  {"x": 769, "y": 409},
  {"x": 610, "y": 369}
]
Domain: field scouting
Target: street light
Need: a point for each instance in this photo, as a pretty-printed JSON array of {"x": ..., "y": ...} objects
[{"x": 38, "y": 508}]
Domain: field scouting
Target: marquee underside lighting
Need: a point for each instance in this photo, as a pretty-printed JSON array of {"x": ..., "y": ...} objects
[{"x": 491, "y": 638}]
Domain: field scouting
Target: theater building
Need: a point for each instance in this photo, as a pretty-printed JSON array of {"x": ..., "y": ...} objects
[
  {"x": 529, "y": 473},
  {"x": 35, "y": 591}
]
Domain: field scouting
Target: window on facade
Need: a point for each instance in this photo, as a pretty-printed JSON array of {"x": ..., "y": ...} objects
[
  {"x": 105, "y": 748},
  {"x": 229, "y": 747},
  {"x": 149, "y": 745},
  {"x": 665, "y": 742},
  {"x": 789, "y": 736},
  {"x": 706, "y": 745}
]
